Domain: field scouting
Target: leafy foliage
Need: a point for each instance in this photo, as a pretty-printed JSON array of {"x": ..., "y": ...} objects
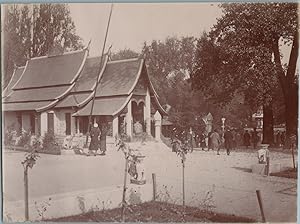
[
  {"x": 30, "y": 159},
  {"x": 241, "y": 54},
  {"x": 34, "y": 30},
  {"x": 24, "y": 139},
  {"x": 9, "y": 135},
  {"x": 49, "y": 142},
  {"x": 124, "y": 54}
]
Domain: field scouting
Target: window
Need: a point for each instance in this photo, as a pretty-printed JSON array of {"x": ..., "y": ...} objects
[
  {"x": 68, "y": 123},
  {"x": 50, "y": 119},
  {"x": 83, "y": 124}
]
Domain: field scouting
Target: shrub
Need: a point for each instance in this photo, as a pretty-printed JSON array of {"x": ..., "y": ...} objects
[
  {"x": 9, "y": 136},
  {"x": 24, "y": 139},
  {"x": 49, "y": 142}
]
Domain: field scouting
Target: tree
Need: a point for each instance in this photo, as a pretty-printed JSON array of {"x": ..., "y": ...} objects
[
  {"x": 124, "y": 54},
  {"x": 244, "y": 47},
  {"x": 33, "y": 30},
  {"x": 169, "y": 64}
]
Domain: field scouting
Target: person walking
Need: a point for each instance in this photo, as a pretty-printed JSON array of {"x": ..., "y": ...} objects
[
  {"x": 215, "y": 141},
  {"x": 209, "y": 146},
  {"x": 94, "y": 144},
  {"x": 228, "y": 137},
  {"x": 247, "y": 139}
]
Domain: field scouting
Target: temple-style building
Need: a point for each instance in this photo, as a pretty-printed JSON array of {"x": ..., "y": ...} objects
[{"x": 55, "y": 94}]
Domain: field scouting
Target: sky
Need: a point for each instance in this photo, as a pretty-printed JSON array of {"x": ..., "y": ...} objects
[{"x": 134, "y": 23}]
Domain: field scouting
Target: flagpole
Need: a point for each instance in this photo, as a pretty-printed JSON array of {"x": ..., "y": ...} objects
[{"x": 99, "y": 71}]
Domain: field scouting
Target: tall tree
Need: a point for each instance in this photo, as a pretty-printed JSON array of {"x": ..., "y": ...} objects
[
  {"x": 245, "y": 49},
  {"x": 33, "y": 30},
  {"x": 169, "y": 64}
]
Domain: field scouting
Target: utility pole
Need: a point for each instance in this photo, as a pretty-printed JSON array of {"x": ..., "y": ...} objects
[{"x": 99, "y": 71}]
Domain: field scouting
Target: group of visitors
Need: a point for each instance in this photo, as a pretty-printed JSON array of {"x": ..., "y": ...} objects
[
  {"x": 252, "y": 137},
  {"x": 98, "y": 140},
  {"x": 215, "y": 141}
]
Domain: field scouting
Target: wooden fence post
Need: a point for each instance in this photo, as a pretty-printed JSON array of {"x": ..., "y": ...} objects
[
  {"x": 260, "y": 205},
  {"x": 124, "y": 189},
  {"x": 154, "y": 186}
]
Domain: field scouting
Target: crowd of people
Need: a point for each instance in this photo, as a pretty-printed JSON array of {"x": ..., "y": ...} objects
[{"x": 230, "y": 139}]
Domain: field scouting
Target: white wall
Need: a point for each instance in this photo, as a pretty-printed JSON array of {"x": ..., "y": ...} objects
[
  {"x": 60, "y": 122},
  {"x": 44, "y": 123}
]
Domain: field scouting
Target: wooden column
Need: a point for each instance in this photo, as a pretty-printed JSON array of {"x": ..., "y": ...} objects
[
  {"x": 147, "y": 112},
  {"x": 115, "y": 124},
  {"x": 129, "y": 120}
]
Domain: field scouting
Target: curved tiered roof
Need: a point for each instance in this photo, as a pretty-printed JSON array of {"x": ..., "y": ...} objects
[
  {"x": 13, "y": 80},
  {"x": 69, "y": 80},
  {"x": 116, "y": 87},
  {"x": 44, "y": 81}
]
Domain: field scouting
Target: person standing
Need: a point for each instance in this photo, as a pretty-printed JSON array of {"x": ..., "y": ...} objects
[
  {"x": 94, "y": 144},
  {"x": 190, "y": 139},
  {"x": 282, "y": 137},
  {"x": 234, "y": 139},
  {"x": 215, "y": 141},
  {"x": 103, "y": 138},
  {"x": 278, "y": 138},
  {"x": 247, "y": 139},
  {"x": 255, "y": 138},
  {"x": 228, "y": 137}
]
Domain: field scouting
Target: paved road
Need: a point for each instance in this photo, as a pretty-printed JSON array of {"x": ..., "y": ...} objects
[{"x": 220, "y": 182}]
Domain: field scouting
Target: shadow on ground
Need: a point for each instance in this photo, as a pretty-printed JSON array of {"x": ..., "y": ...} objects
[{"x": 247, "y": 170}]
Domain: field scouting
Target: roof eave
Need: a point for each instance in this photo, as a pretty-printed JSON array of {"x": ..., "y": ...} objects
[
  {"x": 81, "y": 66},
  {"x": 101, "y": 72},
  {"x": 50, "y": 105},
  {"x": 137, "y": 77},
  {"x": 20, "y": 77},
  {"x": 123, "y": 106}
]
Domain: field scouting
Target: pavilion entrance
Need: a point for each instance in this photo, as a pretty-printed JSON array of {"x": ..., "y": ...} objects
[{"x": 138, "y": 121}]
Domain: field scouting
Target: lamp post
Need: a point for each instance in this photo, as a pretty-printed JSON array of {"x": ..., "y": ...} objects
[{"x": 223, "y": 125}]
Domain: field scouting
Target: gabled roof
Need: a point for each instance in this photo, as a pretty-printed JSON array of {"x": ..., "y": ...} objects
[
  {"x": 13, "y": 80},
  {"x": 46, "y": 80},
  {"x": 40, "y": 94},
  {"x": 117, "y": 85},
  {"x": 119, "y": 77},
  {"x": 26, "y": 106},
  {"x": 105, "y": 106},
  {"x": 82, "y": 92},
  {"x": 74, "y": 100},
  {"x": 52, "y": 71},
  {"x": 87, "y": 79}
]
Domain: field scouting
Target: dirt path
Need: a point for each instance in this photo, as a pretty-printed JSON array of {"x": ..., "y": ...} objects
[
  {"x": 224, "y": 183},
  {"x": 221, "y": 183}
]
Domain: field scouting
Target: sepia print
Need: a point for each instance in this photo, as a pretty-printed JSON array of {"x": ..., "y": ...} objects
[{"x": 150, "y": 112}]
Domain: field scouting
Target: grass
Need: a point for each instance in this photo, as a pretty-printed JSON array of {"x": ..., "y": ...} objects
[{"x": 153, "y": 212}]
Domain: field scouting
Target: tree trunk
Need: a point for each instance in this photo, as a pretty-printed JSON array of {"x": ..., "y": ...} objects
[
  {"x": 289, "y": 84},
  {"x": 268, "y": 131},
  {"x": 291, "y": 111}
]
